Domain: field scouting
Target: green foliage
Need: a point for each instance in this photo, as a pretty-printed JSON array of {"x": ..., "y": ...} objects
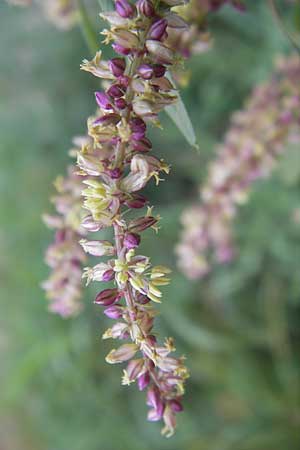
[{"x": 239, "y": 328}]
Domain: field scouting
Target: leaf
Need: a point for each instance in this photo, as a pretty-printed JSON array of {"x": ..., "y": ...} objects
[
  {"x": 178, "y": 113},
  {"x": 105, "y": 5}
]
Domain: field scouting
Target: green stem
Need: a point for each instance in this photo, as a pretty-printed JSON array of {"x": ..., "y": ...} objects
[
  {"x": 87, "y": 29},
  {"x": 277, "y": 16}
]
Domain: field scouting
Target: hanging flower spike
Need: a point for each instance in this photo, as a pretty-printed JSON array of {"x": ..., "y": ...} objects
[
  {"x": 252, "y": 146},
  {"x": 137, "y": 90}
]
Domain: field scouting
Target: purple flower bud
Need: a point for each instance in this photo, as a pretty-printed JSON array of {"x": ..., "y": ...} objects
[
  {"x": 141, "y": 145},
  {"x": 124, "y": 8},
  {"x": 108, "y": 275},
  {"x": 137, "y": 125},
  {"x": 108, "y": 119},
  {"x": 120, "y": 103},
  {"x": 137, "y": 202},
  {"x": 124, "y": 81},
  {"x": 131, "y": 240},
  {"x": 142, "y": 299},
  {"x": 146, "y": 71},
  {"x": 159, "y": 70},
  {"x": 176, "y": 405},
  {"x": 114, "y": 173},
  {"x": 118, "y": 48},
  {"x": 142, "y": 224},
  {"x": 143, "y": 381},
  {"x": 117, "y": 66},
  {"x": 151, "y": 340},
  {"x": 146, "y": 7},
  {"x": 153, "y": 397},
  {"x": 154, "y": 400},
  {"x": 107, "y": 297},
  {"x": 115, "y": 91},
  {"x": 114, "y": 311},
  {"x": 158, "y": 29},
  {"x": 102, "y": 100}
]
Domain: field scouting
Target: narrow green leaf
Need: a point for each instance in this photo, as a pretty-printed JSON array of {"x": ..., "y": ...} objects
[
  {"x": 180, "y": 117},
  {"x": 178, "y": 113}
]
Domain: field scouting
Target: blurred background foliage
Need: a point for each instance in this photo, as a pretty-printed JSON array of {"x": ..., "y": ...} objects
[{"x": 240, "y": 328}]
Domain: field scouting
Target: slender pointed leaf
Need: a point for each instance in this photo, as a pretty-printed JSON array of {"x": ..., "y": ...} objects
[{"x": 178, "y": 113}]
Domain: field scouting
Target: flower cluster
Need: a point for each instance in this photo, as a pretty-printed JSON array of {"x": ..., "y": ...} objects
[
  {"x": 65, "y": 256},
  {"x": 252, "y": 146},
  {"x": 116, "y": 166}
]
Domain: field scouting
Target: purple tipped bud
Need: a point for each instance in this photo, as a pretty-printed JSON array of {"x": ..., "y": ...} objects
[
  {"x": 108, "y": 275},
  {"x": 137, "y": 202},
  {"x": 154, "y": 400},
  {"x": 159, "y": 70},
  {"x": 103, "y": 100},
  {"x": 124, "y": 81},
  {"x": 107, "y": 297},
  {"x": 146, "y": 7},
  {"x": 176, "y": 406},
  {"x": 117, "y": 66},
  {"x": 114, "y": 311},
  {"x": 137, "y": 125},
  {"x": 142, "y": 299},
  {"x": 151, "y": 340},
  {"x": 141, "y": 145},
  {"x": 131, "y": 240},
  {"x": 142, "y": 224},
  {"x": 115, "y": 173},
  {"x": 108, "y": 119},
  {"x": 118, "y": 48},
  {"x": 145, "y": 71},
  {"x": 158, "y": 29},
  {"x": 120, "y": 103},
  {"x": 115, "y": 91},
  {"x": 143, "y": 381},
  {"x": 124, "y": 9}
]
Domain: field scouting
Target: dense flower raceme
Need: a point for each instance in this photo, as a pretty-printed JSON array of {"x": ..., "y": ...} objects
[
  {"x": 117, "y": 165},
  {"x": 252, "y": 146},
  {"x": 65, "y": 256}
]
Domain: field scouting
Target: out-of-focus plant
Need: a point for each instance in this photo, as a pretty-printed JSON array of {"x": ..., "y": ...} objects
[
  {"x": 65, "y": 256},
  {"x": 256, "y": 139},
  {"x": 62, "y": 13}
]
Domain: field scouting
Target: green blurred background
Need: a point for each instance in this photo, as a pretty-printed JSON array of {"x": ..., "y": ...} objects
[{"x": 240, "y": 329}]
